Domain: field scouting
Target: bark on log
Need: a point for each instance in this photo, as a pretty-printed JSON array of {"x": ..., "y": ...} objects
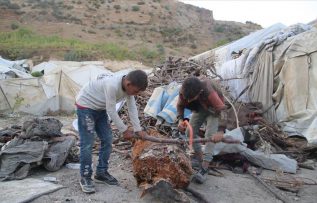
[{"x": 154, "y": 162}]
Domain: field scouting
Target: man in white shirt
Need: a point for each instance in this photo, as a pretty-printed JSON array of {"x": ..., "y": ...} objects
[{"x": 95, "y": 101}]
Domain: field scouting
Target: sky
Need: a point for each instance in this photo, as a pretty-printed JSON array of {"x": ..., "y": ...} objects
[{"x": 265, "y": 13}]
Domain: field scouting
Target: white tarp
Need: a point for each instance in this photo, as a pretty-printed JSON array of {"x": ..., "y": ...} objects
[
  {"x": 54, "y": 91},
  {"x": 296, "y": 92},
  {"x": 259, "y": 158},
  {"x": 222, "y": 54},
  {"x": 13, "y": 69}
]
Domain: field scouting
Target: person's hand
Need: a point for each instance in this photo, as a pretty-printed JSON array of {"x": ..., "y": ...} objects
[
  {"x": 217, "y": 137},
  {"x": 181, "y": 126},
  {"x": 141, "y": 133},
  {"x": 128, "y": 134}
]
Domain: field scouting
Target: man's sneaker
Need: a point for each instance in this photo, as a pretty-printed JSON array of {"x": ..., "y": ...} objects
[
  {"x": 200, "y": 176},
  {"x": 106, "y": 178},
  {"x": 87, "y": 185}
]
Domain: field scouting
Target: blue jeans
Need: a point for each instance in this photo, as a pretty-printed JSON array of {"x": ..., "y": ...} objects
[{"x": 91, "y": 122}]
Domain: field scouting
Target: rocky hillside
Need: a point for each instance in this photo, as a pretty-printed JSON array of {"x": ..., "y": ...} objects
[{"x": 147, "y": 30}]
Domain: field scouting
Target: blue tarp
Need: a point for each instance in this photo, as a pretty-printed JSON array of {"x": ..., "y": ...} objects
[{"x": 162, "y": 104}]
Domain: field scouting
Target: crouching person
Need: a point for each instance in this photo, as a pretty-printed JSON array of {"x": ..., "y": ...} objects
[
  {"x": 95, "y": 101},
  {"x": 205, "y": 101}
]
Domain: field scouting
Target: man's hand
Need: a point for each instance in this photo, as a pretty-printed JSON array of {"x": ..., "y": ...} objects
[
  {"x": 128, "y": 134},
  {"x": 141, "y": 133},
  {"x": 181, "y": 126},
  {"x": 217, "y": 137}
]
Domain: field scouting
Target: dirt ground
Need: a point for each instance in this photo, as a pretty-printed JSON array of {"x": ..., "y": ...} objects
[{"x": 231, "y": 188}]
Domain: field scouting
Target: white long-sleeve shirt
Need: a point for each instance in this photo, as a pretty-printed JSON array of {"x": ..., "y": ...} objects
[{"x": 103, "y": 94}]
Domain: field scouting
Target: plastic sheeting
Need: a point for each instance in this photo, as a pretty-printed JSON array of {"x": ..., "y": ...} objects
[
  {"x": 267, "y": 161},
  {"x": 13, "y": 69},
  {"x": 17, "y": 157},
  {"x": 296, "y": 89},
  {"x": 223, "y": 54},
  {"x": 162, "y": 103},
  {"x": 55, "y": 91}
]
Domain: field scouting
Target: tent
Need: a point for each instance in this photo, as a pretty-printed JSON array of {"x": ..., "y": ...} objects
[
  {"x": 222, "y": 54},
  {"x": 55, "y": 91},
  {"x": 280, "y": 71}
]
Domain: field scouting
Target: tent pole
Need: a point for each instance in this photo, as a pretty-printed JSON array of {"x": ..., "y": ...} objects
[
  {"x": 59, "y": 88},
  {"x": 6, "y": 98}
]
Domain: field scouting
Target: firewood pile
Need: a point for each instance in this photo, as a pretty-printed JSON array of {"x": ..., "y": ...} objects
[
  {"x": 175, "y": 69},
  {"x": 270, "y": 138},
  {"x": 172, "y": 70}
]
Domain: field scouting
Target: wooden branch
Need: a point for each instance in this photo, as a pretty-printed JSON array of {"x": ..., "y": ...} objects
[
  {"x": 181, "y": 142},
  {"x": 269, "y": 188},
  {"x": 197, "y": 194},
  {"x": 234, "y": 110}
]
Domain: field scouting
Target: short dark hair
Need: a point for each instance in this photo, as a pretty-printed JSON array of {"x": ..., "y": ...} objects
[
  {"x": 191, "y": 87},
  {"x": 138, "y": 78}
]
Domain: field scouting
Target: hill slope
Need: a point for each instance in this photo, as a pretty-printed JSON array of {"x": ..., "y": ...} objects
[{"x": 146, "y": 30}]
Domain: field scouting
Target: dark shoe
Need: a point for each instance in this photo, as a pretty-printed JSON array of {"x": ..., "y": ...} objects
[
  {"x": 87, "y": 185},
  {"x": 200, "y": 176},
  {"x": 106, "y": 178}
]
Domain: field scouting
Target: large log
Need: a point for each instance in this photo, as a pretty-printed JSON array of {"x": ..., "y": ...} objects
[{"x": 161, "y": 168}]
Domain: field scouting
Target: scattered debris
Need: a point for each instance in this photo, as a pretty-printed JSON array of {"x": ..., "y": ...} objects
[
  {"x": 73, "y": 166},
  {"x": 50, "y": 179},
  {"x": 288, "y": 182},
  {"x": 272, "y": 189}
]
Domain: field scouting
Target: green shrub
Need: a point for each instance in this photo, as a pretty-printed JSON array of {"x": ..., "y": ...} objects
[
  {"x": 160, "y": 48},
  {"x": 75, "y": 55},
  {"x": 135, "y": 8},
  {"x": 221, "y": 42},
  {"x": 193, "y": 46},
  {"x": 14, "y": 26},
  {"x": 91, "y": 32},
  {"x": 219, "y": 28},
  {"x": 148, "y": 54},
  {"x": 117, "y": 7},
  {"x": 14, "y": 6},
  {"x": 170, "y": 32}
]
